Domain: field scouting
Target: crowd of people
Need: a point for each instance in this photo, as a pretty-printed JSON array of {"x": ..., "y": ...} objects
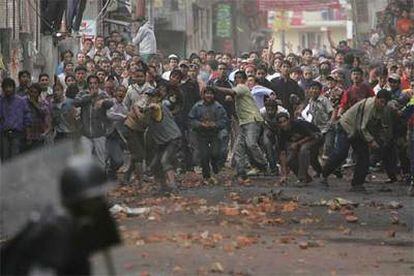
[{"x": 260, "y": 113}]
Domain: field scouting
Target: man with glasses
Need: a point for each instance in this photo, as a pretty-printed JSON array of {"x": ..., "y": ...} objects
[{"x": 93, "y": 104}]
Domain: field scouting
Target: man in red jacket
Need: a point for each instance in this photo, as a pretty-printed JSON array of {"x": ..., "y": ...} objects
[{"x": 357, "y": 92}]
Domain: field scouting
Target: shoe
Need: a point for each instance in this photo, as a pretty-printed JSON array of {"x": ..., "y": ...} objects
[
  {"x": 166, "y": 190},
  {"x": 213, "y": 181},
  {"x": 317, "y": 175},
  {"x": 358, "y": 189},
  {"x": 411, "y": 190},
  {"x": 338, "y": 174},
  {"x": 390, "y": 180},
  {"x": 348, "y": 165},
  {"x": 254, "y": 172},
  {"x": 324, "y": 182}
]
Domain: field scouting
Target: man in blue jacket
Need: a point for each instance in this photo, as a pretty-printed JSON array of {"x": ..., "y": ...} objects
[{"x": 207, "y": 118}]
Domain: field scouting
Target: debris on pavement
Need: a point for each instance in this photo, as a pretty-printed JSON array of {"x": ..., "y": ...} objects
[
  {"x": 395, "y": 217},
  {"x": 394, "y": 205},
  {"x": 217, "y": 268},
  {"x": 335, "y": 203},
  {"x": 351, "y": 218},
  {"x": 116, "y": 209}
]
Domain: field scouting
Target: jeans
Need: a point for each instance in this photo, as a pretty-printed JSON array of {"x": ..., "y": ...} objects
[
  {"x": 116, "y": 148},
  {"x": 186, "y": 150},
  {"x": 224, "y": 138},
  {"x": 340, "y": 153},
  {"x": 411, "y": 146},
  {"x": 11, "y": 143},
  {"x": 165, "y": 158},
  {"x": 329, "y": 143},
  {"x": 96, "y": 147},
  {"x": 247, "y": 148},
  {"x": 52, "y": 11},
  {"x": 299, "y": 160},
  {"x": 269, "y": 143},
  {"x": 75, "y": 8},
  {"x": 209, "y": 150}
]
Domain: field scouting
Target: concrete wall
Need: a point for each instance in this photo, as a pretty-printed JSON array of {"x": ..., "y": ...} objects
[{"x": 293, "y": 36}]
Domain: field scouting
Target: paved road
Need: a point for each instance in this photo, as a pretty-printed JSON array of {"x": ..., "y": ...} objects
[{"x": 261, "y": 229}]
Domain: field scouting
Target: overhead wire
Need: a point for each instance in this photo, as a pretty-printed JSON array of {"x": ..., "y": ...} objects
[
  {"x": 39, "y": 15},
  {"x": 50, "y": 26}
]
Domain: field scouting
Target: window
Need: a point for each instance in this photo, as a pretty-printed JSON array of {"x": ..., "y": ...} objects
[{"x": 311, "y": 40}]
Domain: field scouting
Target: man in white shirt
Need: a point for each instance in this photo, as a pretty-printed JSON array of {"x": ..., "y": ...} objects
[
  {"x": 174, "y": 60},
  {"x": 145, "y": 39}
]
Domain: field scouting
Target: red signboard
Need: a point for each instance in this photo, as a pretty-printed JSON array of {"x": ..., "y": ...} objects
[{"x": 297, "y": 5}]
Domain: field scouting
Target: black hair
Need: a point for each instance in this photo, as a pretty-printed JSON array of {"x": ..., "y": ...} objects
[
  {"x": 255, "y": 79},
  {"x": 176, "y": 72},
  {"x": 36, "y": 86},
  {"x": 43, "y": 75},
  {"x": 7, "y": 82},
  {"x": 317, "y": 84},
  {"x": 67, "y": 63},
  {"x": 68, "y": 76},
  {"x": 213, "y": 64},
  {"x": 357, "y": 70},
  {"x": 307, "y": 50},
  {"x": 72, "y": 91},
  {"x": 193, "y": 56},
  {"x": 140, "y": 70},
  {"x": 23, "y": 72},
  {"x": 242, "y": 74},
  {"x": 287, "y": 62},
  {"x": 80, "y": 68},
  {"x": 92, "y": 77},
  {"x": 222, "y": 64},
  {"x": 340, "y": 53},
  {"x": 62, "y": 55},
  {"x": 262, "y": 67},
  {"x": 280, "y": 53},
  {"x": 384, "y": 94},
  {"x": 282, "y": 115},
  {"x": 209, "y": 89}
]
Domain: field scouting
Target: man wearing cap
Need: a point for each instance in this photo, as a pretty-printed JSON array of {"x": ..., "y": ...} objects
[
  {"x": 145, "y": 39},
  {"x": 394, "y": 83},
  {"x": 395, "y": 141},
  {"x": 358, "y": 128},
  {"x": 173, "y": 63}
]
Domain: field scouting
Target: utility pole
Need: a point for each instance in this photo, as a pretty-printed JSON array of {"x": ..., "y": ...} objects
[{"x": 140, "y": 8}]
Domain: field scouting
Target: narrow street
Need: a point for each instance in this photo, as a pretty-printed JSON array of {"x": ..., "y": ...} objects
[{"x": 260, "y": 229}]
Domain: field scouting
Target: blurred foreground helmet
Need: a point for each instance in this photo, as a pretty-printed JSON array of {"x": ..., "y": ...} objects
[{"x": 82, "y": 179}]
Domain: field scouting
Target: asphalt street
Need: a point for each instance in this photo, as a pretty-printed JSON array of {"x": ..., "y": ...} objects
[{"x": 260, "y": 228}]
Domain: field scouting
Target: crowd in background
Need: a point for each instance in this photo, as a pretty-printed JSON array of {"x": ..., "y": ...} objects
[{"x": 260, "y": 113}]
